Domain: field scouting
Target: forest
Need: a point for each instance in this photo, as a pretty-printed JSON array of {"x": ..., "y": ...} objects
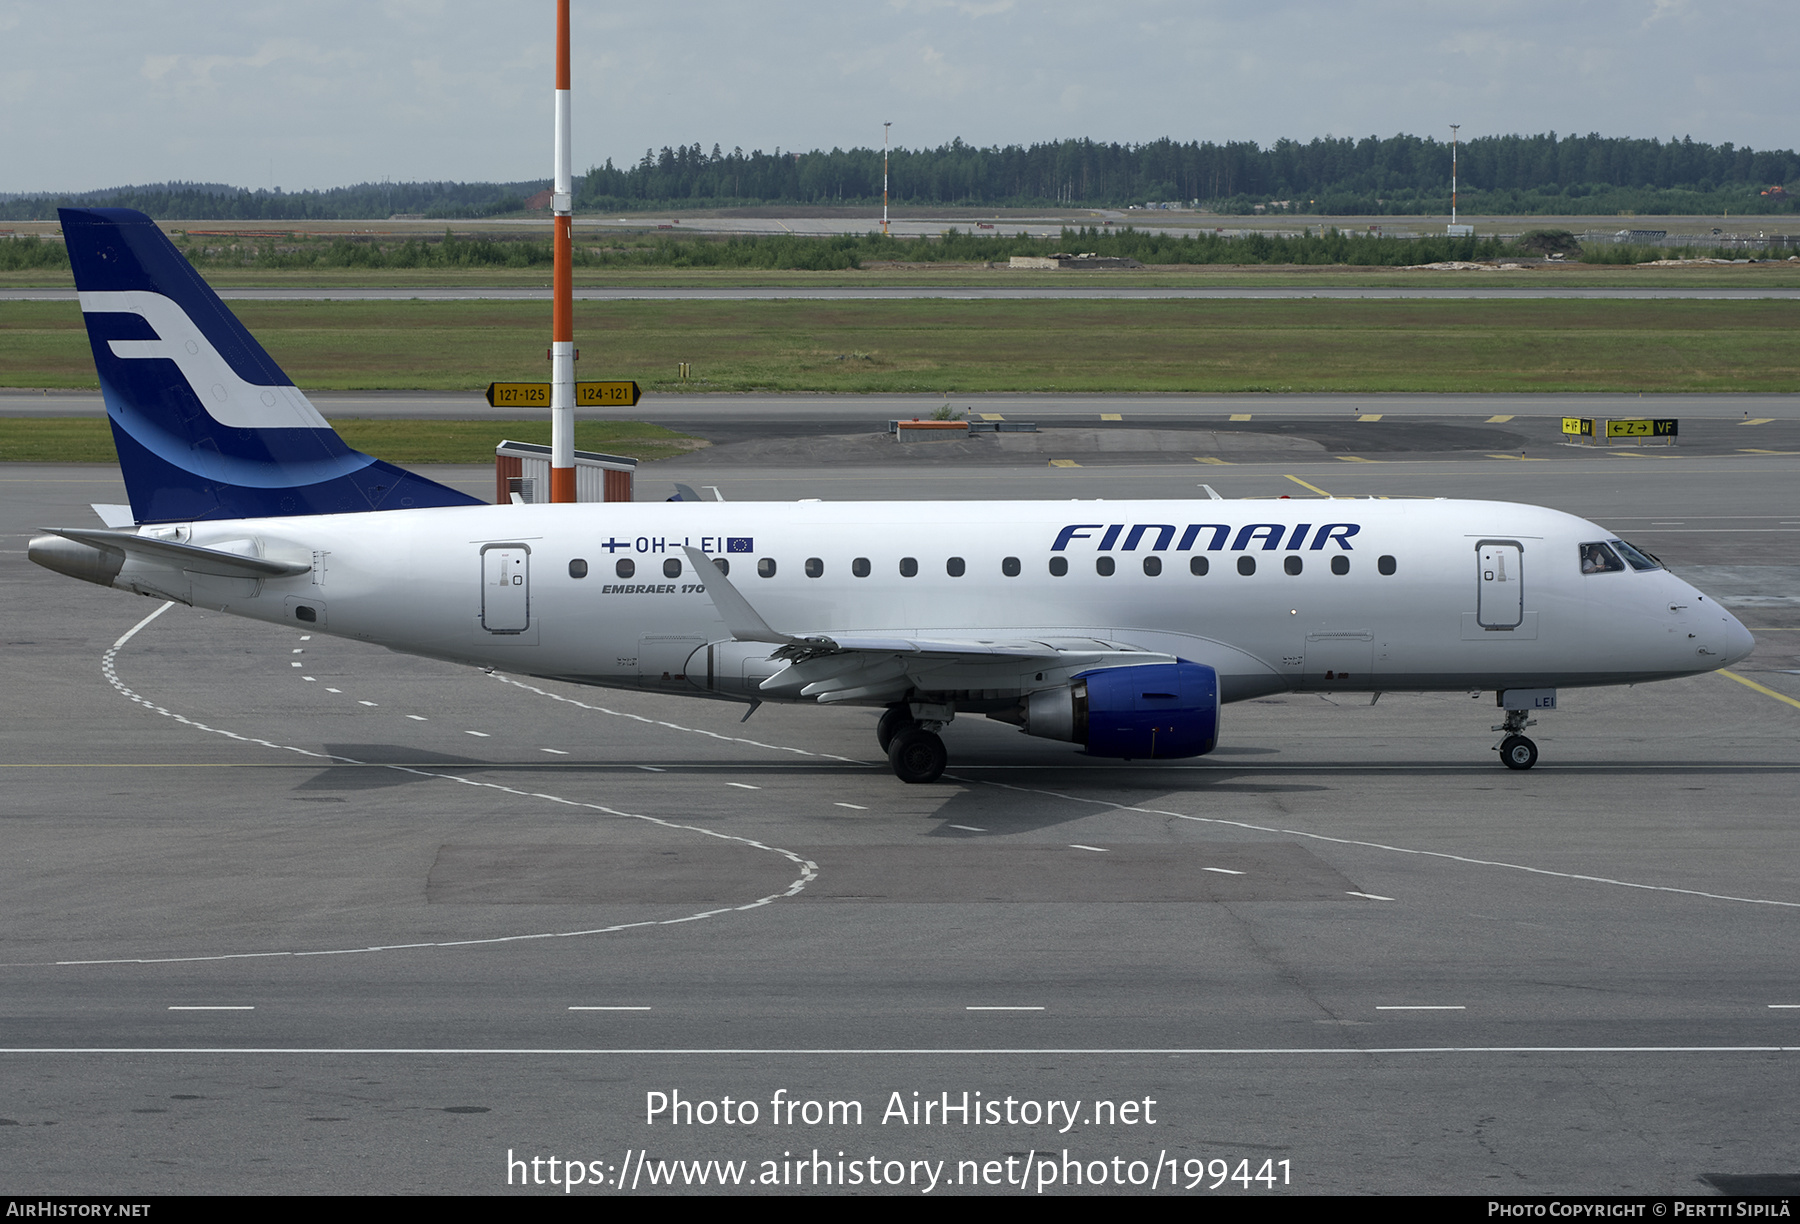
[{"x": 1402, "y": 175}]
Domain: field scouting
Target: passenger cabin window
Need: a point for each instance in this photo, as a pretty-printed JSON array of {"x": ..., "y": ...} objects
[
  {"x": 860, "y": 567},
  {"x": 1104, "y": 566},
  {"x": 909, "y": 567},
  {"x": 1058, "y": 566},
  {"x": 625, "y": 568},
  {"x": 1638, "y": 560},
  {"x": 765, "y": 567},
  {"x": 671, "y": 568},
  {"x": 1246, "y": 566},
  {"x": 1340, "y": 565},
  {"x": 955, "y": 567},
  {"x": 1010, "y": 567},
  {"x": 578, "y": 568},
  {"x": 1152, "y": 566},
  {"x": 1293, "y": 565},
  {"x": 722, "y": 564},
  {"x": 1597, "y": 558},
  {"x": 815, "y": 568},
  {"x": 1385, "y": 565},
  {"x": 1198, "y": 566}
]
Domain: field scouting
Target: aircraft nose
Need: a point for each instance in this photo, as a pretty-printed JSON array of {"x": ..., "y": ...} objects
[{"x": 1737, "y": 642}]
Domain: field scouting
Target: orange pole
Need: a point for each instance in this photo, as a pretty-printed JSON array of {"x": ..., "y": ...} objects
[{"x": 562, "y": 310}]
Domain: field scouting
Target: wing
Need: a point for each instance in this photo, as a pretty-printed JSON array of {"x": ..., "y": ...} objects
[{"x": 869, "y": 667}]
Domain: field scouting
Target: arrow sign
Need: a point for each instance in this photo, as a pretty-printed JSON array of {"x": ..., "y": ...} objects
[
  {"x": 587, "y": 395},
  {"x": 606, "y": 394}
]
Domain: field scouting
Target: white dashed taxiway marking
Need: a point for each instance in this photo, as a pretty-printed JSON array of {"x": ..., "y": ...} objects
[
  {"x": 1222, "y": 870},
  {"x": 1420, "y": 1007}
]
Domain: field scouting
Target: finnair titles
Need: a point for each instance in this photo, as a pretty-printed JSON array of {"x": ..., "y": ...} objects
[{"x": 1122, "y": 628}]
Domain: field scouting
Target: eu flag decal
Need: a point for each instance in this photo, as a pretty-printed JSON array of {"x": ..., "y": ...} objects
[{"x": 740, "y": 544}]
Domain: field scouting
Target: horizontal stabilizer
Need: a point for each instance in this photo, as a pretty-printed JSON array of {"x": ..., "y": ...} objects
[{"x": 190, "y": 557}]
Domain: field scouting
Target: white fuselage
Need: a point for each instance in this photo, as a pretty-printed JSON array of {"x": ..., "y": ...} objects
[{"x": 495, "y": 586}]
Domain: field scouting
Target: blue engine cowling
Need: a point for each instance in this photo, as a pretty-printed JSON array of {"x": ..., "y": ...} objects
[{"x": 1156, "y": 711}]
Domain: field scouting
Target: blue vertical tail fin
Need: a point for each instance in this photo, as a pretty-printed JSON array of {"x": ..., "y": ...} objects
[{"x": 206, "y": 424}]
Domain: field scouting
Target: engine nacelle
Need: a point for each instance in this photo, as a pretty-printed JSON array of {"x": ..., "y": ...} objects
[{"x": 1156, "y": 711}]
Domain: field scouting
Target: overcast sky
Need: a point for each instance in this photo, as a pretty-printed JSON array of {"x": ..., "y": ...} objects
[{"x": 262, "y": 93}]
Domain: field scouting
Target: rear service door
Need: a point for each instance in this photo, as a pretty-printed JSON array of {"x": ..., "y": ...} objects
[
  {"x": 505, "y": 588},
  {"x": 1500, "y": 585}
]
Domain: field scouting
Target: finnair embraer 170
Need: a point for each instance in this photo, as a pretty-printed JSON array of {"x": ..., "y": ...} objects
[{"x": 1122, "y": 627}]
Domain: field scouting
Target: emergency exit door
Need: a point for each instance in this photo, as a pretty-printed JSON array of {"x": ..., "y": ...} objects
[
  {"x": 505, "y": 588},
  {"x": 1500, "y": 585}
]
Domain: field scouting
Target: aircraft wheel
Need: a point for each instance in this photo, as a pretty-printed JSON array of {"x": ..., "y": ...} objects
[
  {"x": 917, "y": 755},
  {"x": 1517, "y": 752},
  {"x": 895, "y": 720}
]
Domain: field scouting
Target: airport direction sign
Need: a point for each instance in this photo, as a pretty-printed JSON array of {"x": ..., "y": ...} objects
[
  {"x": 587, "y": 394},
  {"x": 518, "y": 395},
  {"x": 1642, "y": 428},
  {"x": 1579, "y": 426},
  {"x": 607, "y": 394}
]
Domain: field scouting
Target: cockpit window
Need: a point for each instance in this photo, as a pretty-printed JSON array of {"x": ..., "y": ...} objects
[
  {"x": 1638, "y": 560},
  {"x": 1598, "y": 558}
]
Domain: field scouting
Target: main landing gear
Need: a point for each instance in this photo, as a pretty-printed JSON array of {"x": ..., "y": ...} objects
[
  {"x": 1516, "y": 751},
  {"x": 911, "y": 742}
]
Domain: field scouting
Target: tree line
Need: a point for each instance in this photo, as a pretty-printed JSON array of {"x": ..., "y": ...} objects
[
  {"x": 1403, "y": 175},
  {"x": 1332, "y": 176}
]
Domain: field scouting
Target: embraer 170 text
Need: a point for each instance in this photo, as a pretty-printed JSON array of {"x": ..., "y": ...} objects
[{"x": 1122, "y": 627}]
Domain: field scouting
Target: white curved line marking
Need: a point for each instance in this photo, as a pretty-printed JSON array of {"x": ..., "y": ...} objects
[{"x": 808, "y": 870}]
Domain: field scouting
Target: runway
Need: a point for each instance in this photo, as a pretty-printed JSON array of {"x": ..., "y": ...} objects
[{"x": 287, "y": 913}]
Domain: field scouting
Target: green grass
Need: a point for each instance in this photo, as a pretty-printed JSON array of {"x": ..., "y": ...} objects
[
  {"x": 961, "y": 346},
  {"x": 1573, "y": 275},
  {"x": 89, "y": 440}
]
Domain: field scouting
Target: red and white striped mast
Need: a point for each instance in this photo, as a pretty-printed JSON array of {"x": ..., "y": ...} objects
[
  {"x": 562, "y": 316},
  {"x": 884, "y": 175}
]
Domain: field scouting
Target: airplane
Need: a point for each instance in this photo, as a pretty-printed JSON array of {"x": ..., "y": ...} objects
[{"x": 1121, "y": 627}]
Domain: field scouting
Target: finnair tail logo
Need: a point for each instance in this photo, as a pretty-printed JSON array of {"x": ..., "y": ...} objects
[{"x": 228, "y": 399}]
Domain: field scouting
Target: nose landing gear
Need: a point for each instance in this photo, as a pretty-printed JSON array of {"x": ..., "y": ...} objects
[{"x": 1516, "y": 751}]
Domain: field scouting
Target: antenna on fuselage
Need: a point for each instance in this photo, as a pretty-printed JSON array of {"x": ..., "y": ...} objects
[{"x": 1212, "y": 492}]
